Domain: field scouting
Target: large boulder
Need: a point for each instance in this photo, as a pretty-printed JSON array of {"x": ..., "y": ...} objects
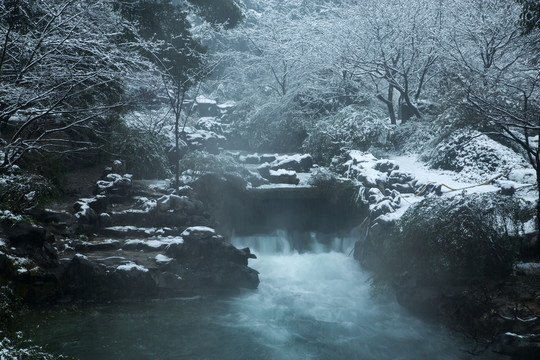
[
  {"x": 206, "y": 107},
  {"x": 282, "y": 176},
  {"x": 211, "y": 260},
  {"x": 297, "y": 162}
]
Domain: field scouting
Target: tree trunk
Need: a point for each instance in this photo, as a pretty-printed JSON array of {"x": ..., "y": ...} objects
[
  {"x": 176, "y": 151},
  {"x": 536, "y": 247},
  {"x": 411, "y": 108},
  {"x": 389, "y": 104}
]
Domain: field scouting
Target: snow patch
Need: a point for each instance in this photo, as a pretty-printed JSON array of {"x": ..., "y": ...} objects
[
  {"x": 201, "y": 99},
  {"x": 155, "y": 244},
  {"x": 191, "y": 229},
  {"x": 282, "y": 172},
  {"x": 163, "y": 259},
  {"x": 132, "y": 266}
]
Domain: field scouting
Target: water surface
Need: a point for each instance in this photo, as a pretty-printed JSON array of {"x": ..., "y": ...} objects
[{"x": 317, "y": 304}]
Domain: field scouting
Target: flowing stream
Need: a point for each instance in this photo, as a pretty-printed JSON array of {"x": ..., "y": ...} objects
[{"x": 317, "y": 304}]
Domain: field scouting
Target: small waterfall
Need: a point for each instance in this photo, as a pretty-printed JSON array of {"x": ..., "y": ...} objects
[{"x": 283, "y": 242}]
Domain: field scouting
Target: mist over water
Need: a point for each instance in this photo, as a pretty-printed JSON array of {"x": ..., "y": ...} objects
[{"x": 316, "y": 303}]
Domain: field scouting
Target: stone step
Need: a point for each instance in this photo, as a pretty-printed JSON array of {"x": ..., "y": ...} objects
[
  {"x": 139, "y": 232},
  {"x": 101, "y": 245},
  {"x": 148, "y": 219}
]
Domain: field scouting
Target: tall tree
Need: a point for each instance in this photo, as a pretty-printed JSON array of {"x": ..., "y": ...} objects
[
  {"x": 495, "y": 69},
  {"x": 180, "y": 58}
]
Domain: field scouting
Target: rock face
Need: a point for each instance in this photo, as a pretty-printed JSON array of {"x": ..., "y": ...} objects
[
  {"x": 31, "y": 241},
  {"x": 215, "y": 262},
  {"x": 280, "y": 169}
]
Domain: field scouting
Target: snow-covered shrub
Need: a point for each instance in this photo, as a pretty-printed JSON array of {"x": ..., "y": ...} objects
[
  {"x": 350, "y": 128},
  {"x": 458, "y": 238},
  {"x": 475, "y": 155},
  {"x": 413, "y": 136},
  {"x": 143, "y": 152},
  {"x": 20, "y": 191},
  {"x": 323, "y": 178},
  {"x": 274, "y": 126},
  {"x": 199, "y": 163}
]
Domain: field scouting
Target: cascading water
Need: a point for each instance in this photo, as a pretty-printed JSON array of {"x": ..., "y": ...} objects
[{"x": 314, "y": 302}]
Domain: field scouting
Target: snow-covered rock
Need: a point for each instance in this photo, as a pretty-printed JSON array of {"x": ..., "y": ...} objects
[
  {"x": 206, "y": 107},
  {"x": 282, "y": 176},
  {"x": 113, "y": 183},
  {"x": 362, "y": 167},
  {"x": 173, "y": 203},
  {"x": 209, "y": 124},
  {"x": 250, "y": 159},
  {"x": 198, "y": 233},
  {"x": 132, "y": 267},
  {"x": 297, "y": 162},
  {"x": 162, "y": 259},
  {"x": 204, "y": 139}
]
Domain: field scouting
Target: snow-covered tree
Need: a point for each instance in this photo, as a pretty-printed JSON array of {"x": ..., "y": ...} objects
[
  {"x": 63, "y": 66},
  {"x": 495, "y": 71},
  {"x": 391, "y": 44}
]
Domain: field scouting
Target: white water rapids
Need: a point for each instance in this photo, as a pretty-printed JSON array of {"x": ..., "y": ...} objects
[{"x": 317, "y": 304}]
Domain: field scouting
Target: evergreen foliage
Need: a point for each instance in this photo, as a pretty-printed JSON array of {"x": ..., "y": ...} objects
[
  {"x": 20, "y": 191},
  {"x": 144, "y": 153}
]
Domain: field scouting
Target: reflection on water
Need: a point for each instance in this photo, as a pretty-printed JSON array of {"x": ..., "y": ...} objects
[{"x": 309, "y": 305}]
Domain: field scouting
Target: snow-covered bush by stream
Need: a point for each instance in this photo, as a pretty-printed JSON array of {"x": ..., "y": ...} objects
[
  {"x": 457, "y": 238},
  {"x": 198, "y": 163}
]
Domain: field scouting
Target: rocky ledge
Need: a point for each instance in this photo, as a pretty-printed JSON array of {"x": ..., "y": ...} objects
[{"x": 129, "y": 240}]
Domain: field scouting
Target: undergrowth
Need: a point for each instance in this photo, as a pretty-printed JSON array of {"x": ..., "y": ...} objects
[{"x": 457, "y": 239}]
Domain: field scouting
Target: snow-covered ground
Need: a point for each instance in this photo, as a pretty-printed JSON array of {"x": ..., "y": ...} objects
[
  {"x": 423, "y": 173},
  {"x": 519, "y": 178}
]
